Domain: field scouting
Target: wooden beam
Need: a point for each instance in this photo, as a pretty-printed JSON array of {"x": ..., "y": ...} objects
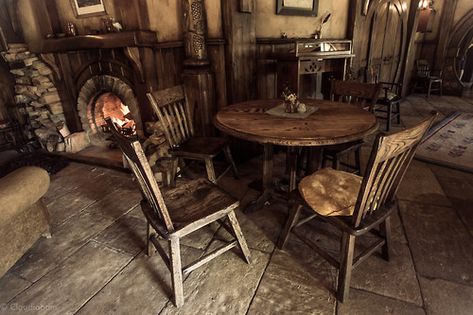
[
  {"x": 246, "y": 6},
  {"x": 411, "y": 46},
  {"x": 443, "y": 36},
  {"x": 240, "y": 53}
]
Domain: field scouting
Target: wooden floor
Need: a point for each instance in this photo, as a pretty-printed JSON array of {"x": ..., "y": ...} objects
[{"x": 94, "y": 262}]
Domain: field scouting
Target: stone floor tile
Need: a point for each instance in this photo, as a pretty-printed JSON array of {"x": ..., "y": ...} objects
[
  {"x": 234, "y": 187},
  {"x": 395, "y": 279},
  {"x": 75, "y": 281},
  {"x": 421, "y": 104},
  {"x": 68, "y": 205},
  {"x": 47, "y": 253},
  {"x": 297, "y": 281},
  {"x": 69, "y": 179},
  {"x": 127, "y": 234},
  {"x": 444, "y": 297},
  {"x": 361, "y": 303},
  {"x": 460, "y": 103},
  {"x": 201, "y": 238},
  {"x": 142, "y": 287},
  {"x": 440, "y": 244},
  {"x": 137, "y": 213},
  {"x": 10, "y": 286},
  {"x": 261, "y": 228},
  {"x": 458, "y": 187},
  {"x": 410, "y": 120},
  {"x": 225, "y": 285},
  {"x": 421, "y": 185},
  {"x": 116, "y": 203}
]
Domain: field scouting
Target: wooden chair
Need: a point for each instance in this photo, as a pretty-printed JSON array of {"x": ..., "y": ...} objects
[
  {"x": 179, "y": 212},
  {"x": 356, "y": 205},
  {"x": 174, "y": 113},
  {"x": 389, "y": 98},
  {"x": 364, "y": 95},
  {"x": 424, "y": 80}
]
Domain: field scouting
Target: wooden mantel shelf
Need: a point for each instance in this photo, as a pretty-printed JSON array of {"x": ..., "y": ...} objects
[{"x": 107, "y": 40}]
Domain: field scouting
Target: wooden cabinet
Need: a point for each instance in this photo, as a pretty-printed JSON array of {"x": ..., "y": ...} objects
[{"x": 307, "y": 68}]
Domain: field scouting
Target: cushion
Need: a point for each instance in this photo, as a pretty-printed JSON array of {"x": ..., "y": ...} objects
[
  {"x": 390, "y": 95},
  {"x": 20, "y": 189},
  {"x": 331, "y": 192}
]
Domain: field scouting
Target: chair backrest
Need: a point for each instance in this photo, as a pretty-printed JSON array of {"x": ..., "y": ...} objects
[
  {"x": 174, "y": 114},
  {"x": 357, "y": 93},
  {"x": 422, "y": 68},
  {"x": 373, "y": 76},
  {"x": 137, "y": 161},
  {"x": 388, "y": 162}
]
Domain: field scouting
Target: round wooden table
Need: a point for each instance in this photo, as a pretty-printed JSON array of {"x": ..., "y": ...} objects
[{"x": 333, "y": 123}]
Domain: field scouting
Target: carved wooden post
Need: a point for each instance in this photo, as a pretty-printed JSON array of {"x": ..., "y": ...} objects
[{"x": 198, "y": 78}]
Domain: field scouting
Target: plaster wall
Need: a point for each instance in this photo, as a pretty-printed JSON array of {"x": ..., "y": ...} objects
[
  {"x": 164, "y": 18},
  {"x": 268, "y": 24},
  {"x": 463, "y": 6},
  {"x": 29, "y": 24}
]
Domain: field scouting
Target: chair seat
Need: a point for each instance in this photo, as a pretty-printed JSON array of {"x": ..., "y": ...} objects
[
  {"x": 331, "y": 192},
  {"x": 387, "y": 97},
  {"x": 199, "y": 147},
  {"x": 192, "y": 200}
]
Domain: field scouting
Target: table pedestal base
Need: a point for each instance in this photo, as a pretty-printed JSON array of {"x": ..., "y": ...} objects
[{"x": 268, "y": 189}]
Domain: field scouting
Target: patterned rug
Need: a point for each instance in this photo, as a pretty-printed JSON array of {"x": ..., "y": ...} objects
[{"x": 450, "y": 142}]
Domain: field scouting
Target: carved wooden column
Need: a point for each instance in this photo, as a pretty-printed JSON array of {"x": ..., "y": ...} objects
[{"x": 198, "y": 78}]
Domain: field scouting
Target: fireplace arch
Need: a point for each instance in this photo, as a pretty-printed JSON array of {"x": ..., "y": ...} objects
[{"x": 90, "y": 105}]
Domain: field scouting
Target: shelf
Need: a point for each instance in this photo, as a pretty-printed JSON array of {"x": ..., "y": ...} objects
[{"x": 107, "y": 40}]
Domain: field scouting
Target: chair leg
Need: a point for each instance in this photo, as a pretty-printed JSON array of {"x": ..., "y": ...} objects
[
  {"x": 209, "y": 166},
  {"x": 429, "y": 89},
  {"x": 441, "y": 91},
  {"x": 174, "y": 165},
  {"x": 398, "y": 105},
  {"x": 358, "y": 160},
  {"x": 346, "y": 266},
  {"x": 228, "y": 156},
  {"x": 149, "y": 245},
  {"x": 385, "y": 230},
  {"x": 336, "y": 162},
  {"x": 293, "y": 217},
  {"x": 176, "y": 271},
  {"x": 389, "y": 116},
  {"x": 239, "y": 236}
]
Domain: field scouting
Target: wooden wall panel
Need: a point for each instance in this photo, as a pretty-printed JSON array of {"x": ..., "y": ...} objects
[
  {"x": 132, "y": 14},
  {"x": 446, "y": 20},
  {"x": 216, "y": 54},
  {"x": 240, "y": 35},
  {"x": 266, "y": 68},
  {"x": 9, "y": 22}
]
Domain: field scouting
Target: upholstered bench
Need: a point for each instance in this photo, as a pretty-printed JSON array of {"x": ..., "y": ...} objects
[{"x": 23, "y": 216}]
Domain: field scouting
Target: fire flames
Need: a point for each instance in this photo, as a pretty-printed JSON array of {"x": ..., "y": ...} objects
[{"x": 111, "y": 106}]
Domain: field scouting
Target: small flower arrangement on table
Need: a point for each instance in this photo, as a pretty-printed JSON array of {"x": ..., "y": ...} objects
[{"x": 292, "y": 103}]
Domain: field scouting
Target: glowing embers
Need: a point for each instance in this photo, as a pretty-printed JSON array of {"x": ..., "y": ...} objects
[{"x": 110, "y": 105}]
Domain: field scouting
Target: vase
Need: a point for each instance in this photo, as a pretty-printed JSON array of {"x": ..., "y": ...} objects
[{"x": 290, "y": 107}]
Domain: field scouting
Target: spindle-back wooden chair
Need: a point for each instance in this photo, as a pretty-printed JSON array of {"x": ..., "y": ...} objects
[
  {"x": 425, "y": 80},
  {"x": 175, "y": 116},
  {"x": 388, "y": 106},
  {"x": 179, "y": 211},
  {"x": 363, "y": 95},
  {"x": 355, "y": 205}
]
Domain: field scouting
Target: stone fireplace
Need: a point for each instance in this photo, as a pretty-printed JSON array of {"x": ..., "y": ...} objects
[{"x": 105, "y": 96}]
